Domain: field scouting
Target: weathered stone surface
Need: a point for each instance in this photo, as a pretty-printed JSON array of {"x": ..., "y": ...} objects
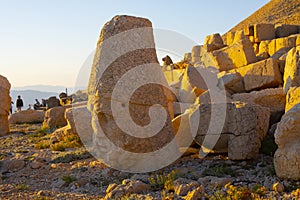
[
  {"x": 125, "y": 43},
  {"x": 281, "y": 63},
  {"x": 233, "y": 82},
  {"x": 260, "y": 75},
  {"x": 192, "y": 85},
  {"x": 284, "y": 30},
  {"x": 285, "y": 43},
  {"x": 4, "y": 105},
  {"x": 27, "y": 116},
  {"x": 291, "y": 76},
  {"x": 264, "y": 47},
  {"x": 264, "y": 32},
  {"x": 205, "y": 97},
  {"x": 292, "y": 98},
  {"x": 52, "y": 102},
  {"x": 213, "y": 42},
  {"x": 55, "y": 117},
  {"x": 230, "y": 38},
  {"x": 236, "y": 55},
  {"x": 242, "y": 131},
  {"x": 274, "y": 99},
  {"x": 287, "y": 137},
  {"x": 249, "y": 30},
  {"x": 239, "y": 35}
]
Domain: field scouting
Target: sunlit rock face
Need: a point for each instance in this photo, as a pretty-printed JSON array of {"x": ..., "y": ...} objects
[{"x": 4, "y": 105}]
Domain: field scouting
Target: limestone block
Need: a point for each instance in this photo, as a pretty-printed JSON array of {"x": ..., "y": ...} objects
[
  {"x": 260, "y": 75},
  {"x": 291, "y": 76},
  {"x": 287, "y": 137},
  {"x": 264, "y": 32}
]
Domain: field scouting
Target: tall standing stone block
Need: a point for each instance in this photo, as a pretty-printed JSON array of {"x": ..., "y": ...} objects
[
  {"x": 4, "y": 105},
  {"x": 125, "y": 85}
]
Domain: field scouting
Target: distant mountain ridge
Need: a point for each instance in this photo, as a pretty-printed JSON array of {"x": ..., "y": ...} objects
[{"x": 42, "y": 88}]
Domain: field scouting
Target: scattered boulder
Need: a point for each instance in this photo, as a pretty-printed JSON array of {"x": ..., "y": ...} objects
[
  {"x": 241, "y": 133},
  {"x": 192, "y": 85},
  {"x": 260, "y": 75},
  {"x": 55, "y": 117},
  {"x": 52, "y": 102},
  {"x": 287, "y": 137},
  {"x": 27, "y": 116},
  {"x": 213, "y": 42},
  {"x": 272, "y": 98},
  {"x": 234, "y": 56},
  {"x": 232, "y": 82},
  {"x": 292, "y": 98},
  {"x": 284, "y": 30},
  {"x": 263, "y": 32},
  {"x": 4, "y": 105},
  {"x": 291, "y": 76}
]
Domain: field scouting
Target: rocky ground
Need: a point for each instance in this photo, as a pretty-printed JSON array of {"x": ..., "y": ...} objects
[{"x": 30, "y": 172}]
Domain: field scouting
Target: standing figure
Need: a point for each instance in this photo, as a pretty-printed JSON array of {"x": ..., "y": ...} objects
[
  {"x": 19, "y": 103},
  {"x": 11, "y": 105}
]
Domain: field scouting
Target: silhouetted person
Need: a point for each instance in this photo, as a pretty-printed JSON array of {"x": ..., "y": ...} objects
[
  {"x": 37, "y": 104},
  {"x": 19, "y": 103},
  {"x": 44, "y": 103},
  {"x": 10, "y": 110}
]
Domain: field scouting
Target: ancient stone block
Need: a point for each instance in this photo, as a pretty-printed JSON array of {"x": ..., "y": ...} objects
[
  {"x": 260, "y": 75},
  {"x": 264, "y": 32},
  {"x": 5, "y": 101},
  {"x": 192, "y": 85},
  {"x": 213, "y": 42},
  {"x": 287, "y": 137},
  {"x": 284, "y": 30},
  {"x": 272, "y": 98},
  {"x": 292, "y": 98},
  {"x": 237, "y": 55},
  {"x": 129, "y": 101},
  {"x": 291, "y": 76}
]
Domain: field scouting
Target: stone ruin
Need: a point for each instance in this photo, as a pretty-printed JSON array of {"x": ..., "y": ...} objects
[{"x": 257, "y": 67}]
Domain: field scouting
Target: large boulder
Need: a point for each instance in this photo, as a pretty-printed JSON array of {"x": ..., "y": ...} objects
[
  {"x": 292, "y": 98},
  {"x": 122, "y": 93},
  {"x": 237, "y": 55},
  {"x": 55, "y": 117},
  {"x": 264, "y": 32},
  {"x": 287, "y": 137},
  {"x": 260, "y": 75},
  {"x": 232, "y": 82},
  {"x": 291, "y": 76},
  {"x": 4, "y": 105},
  {"x": 272, "y": 98},
  {"x": 192, "y": 85},
  {"x": 241, "y": 132},
  {"x": 213, "y": 42},
  {"x": 284, "y": 30},
  {"x": 27, "y": 116}
]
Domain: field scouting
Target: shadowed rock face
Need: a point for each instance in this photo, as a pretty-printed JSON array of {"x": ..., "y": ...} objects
[
  {"x": 126, "y": 86},
  {"x": 4, "y": 105}
]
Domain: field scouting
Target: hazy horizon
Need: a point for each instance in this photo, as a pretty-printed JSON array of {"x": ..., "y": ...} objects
[{"x": 47, "y": 43}]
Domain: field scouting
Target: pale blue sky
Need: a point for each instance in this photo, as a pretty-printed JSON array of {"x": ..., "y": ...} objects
[{"x": 46, "y": 42}]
